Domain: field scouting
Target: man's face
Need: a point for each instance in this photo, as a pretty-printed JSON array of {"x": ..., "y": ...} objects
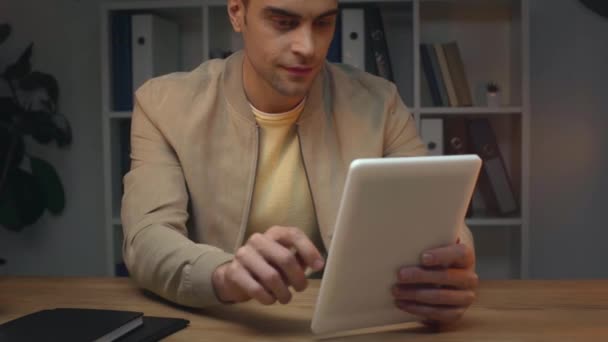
[{"x": 286, "y": 41}]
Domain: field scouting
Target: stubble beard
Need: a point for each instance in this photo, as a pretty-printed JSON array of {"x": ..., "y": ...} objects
[{"x": 288, "y": 87}]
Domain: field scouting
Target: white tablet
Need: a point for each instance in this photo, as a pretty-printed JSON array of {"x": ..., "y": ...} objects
[{"x": 392, "y": 210}]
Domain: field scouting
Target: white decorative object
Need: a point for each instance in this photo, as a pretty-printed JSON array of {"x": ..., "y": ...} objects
[{"x": 493, "y": 95}]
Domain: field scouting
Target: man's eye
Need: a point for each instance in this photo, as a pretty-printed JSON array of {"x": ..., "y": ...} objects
[
  {"x": 285, "y": 24},
  {"x": 324, "y": 23}
]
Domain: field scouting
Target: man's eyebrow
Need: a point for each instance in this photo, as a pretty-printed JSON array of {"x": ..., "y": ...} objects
[
  {"x": 331, "y": 12},
  {"x": 270, "y": 10}
]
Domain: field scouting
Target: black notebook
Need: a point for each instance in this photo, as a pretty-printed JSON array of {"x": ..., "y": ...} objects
[
  {"x": 89, "y": 325},
  {"x": 71, "y": 325},
  {"x": 154, "y": 329}
]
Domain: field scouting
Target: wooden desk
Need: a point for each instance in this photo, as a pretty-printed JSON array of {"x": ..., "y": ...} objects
[{"x": 504, "y": 311}]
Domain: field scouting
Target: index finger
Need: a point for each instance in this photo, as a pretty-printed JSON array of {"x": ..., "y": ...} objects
[
  {"x": 456, "y": 255},
  {"x": 304, "y": 248}
]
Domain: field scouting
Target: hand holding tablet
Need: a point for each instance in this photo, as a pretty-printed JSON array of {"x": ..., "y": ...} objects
[
  {"x": 442, "y": 288},
  {"x": 392, "y": 211}
]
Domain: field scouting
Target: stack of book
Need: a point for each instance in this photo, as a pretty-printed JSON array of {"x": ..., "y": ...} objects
[
  {"x": 360, "y": 41},
  {"x": 142, "y": 46},
  {"x": 494, "y": 194},
  {"x": 443, "y": 78},
  {"x": 80, "y": 324}
]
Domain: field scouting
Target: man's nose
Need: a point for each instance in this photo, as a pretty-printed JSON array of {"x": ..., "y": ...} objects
[{"x": 303, "y": 43}]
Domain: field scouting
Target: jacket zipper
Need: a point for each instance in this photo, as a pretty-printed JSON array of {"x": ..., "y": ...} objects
[
  {"x": 312, "y": 197},
  {"x": 245, "y": 219}
]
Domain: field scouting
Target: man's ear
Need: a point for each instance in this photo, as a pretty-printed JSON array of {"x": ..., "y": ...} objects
[{"x": 236, "y": 12}]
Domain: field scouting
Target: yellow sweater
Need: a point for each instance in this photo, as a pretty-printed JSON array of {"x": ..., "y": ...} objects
[{"x": 281, "y": 195}]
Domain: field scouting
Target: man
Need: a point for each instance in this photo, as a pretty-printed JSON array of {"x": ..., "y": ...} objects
[{"x": 238, "y": 168}]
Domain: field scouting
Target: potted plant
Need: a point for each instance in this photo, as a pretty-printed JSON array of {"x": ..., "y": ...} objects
[
  {"x": 493, "y": 98},
  {"x": 28, "y": 112}
]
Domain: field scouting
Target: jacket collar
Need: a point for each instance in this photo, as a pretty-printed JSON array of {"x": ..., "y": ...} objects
[{"x": 236, "y": 99}]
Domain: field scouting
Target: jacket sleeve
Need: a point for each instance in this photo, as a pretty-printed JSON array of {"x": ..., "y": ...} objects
[
  {"x": 401, "y": 137},
  {"x": 402, "y": 140},
  {"x": 159, "y": 255}
]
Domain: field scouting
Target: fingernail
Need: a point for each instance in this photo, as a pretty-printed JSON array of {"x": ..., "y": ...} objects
[
  {"x": 427, "y": 259},
  {"x": 318, "y": 264}
]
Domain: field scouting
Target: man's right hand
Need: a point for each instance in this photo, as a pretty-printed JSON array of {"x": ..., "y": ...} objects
[{"x": 265, "y": 267}]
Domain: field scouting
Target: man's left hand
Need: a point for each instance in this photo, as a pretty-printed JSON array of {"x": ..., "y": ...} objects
[{"x": 442, "y": 288}]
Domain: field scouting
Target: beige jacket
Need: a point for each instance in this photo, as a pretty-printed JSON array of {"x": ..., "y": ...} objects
[{"x": 194, "y": 148}]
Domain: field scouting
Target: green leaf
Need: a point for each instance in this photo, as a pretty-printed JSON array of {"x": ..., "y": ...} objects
[
  {"x": 9, "y": 217},
  {"x": 43, "y": 133},
  {"x": 63, "y": 130},
  {"x": 5, "y": 31},
  {"x": 49, "y": 106},
  {"x": 39, "y": 124},
  {"x": 45, "y": 127},
  {"x": 28, "y": 197},
  {"x": 22, "y": 67},
  {"x": 21, "y": 202},
  {"x": 8, "y": 109},
  {"x": 598, "y": 6},
  {"x": 38, "y": 80},
  {"x": 8, "y": 140},
  {"x": 50, "y": 185}
]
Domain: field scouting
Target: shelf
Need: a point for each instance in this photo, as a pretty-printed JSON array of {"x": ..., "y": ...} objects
[
  {"x": 493, "y": 39},
  {"x": 469, "y": 110},
  {"x": 488, "y": 35},
  {"x": 342, "y": 2},
  {"x": 151, "y": 4},
  {"x": 186, "y": 50},
  {"x": 216, "y": 3},
  {"x": 471, "y": 2},
  {"x": 494, "y": 221},
  {"x": 118, "y": 115},
  {"x": 375, "y": 1}
]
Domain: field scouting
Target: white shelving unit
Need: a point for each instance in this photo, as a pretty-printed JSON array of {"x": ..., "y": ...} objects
[{"x": 493, "y": 36}]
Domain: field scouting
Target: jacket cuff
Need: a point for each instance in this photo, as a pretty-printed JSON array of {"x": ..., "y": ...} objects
[
  {"x": 201, "y": 284},
  {"x": 466, "y": 237}
]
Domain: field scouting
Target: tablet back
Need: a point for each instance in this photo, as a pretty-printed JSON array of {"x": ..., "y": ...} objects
[{"x": 392, "y": 210}]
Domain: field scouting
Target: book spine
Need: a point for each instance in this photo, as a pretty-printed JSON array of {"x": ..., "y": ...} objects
[
  {"x": 121, "y": 77},
  {"x": 353, "y": 37},
  {"x": 431, "y": 131},
  {"x": 370, "y": 63},
  {"x": 165, "y": 46},
  {"x": 436, "y": 72},
  {"x": 379, "y": 47},
  {"x": 334, "y": 54},
  {"x": 427, "y": 68},
  {"x": 458, "y": 74},
  {"x": 455, "y": 141},
  {"x": 499, "y": 193},
  {"x": 445, "y": 75},
  {"x": 426, "y": 100},
  {"x": 142, "y": 49}
]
